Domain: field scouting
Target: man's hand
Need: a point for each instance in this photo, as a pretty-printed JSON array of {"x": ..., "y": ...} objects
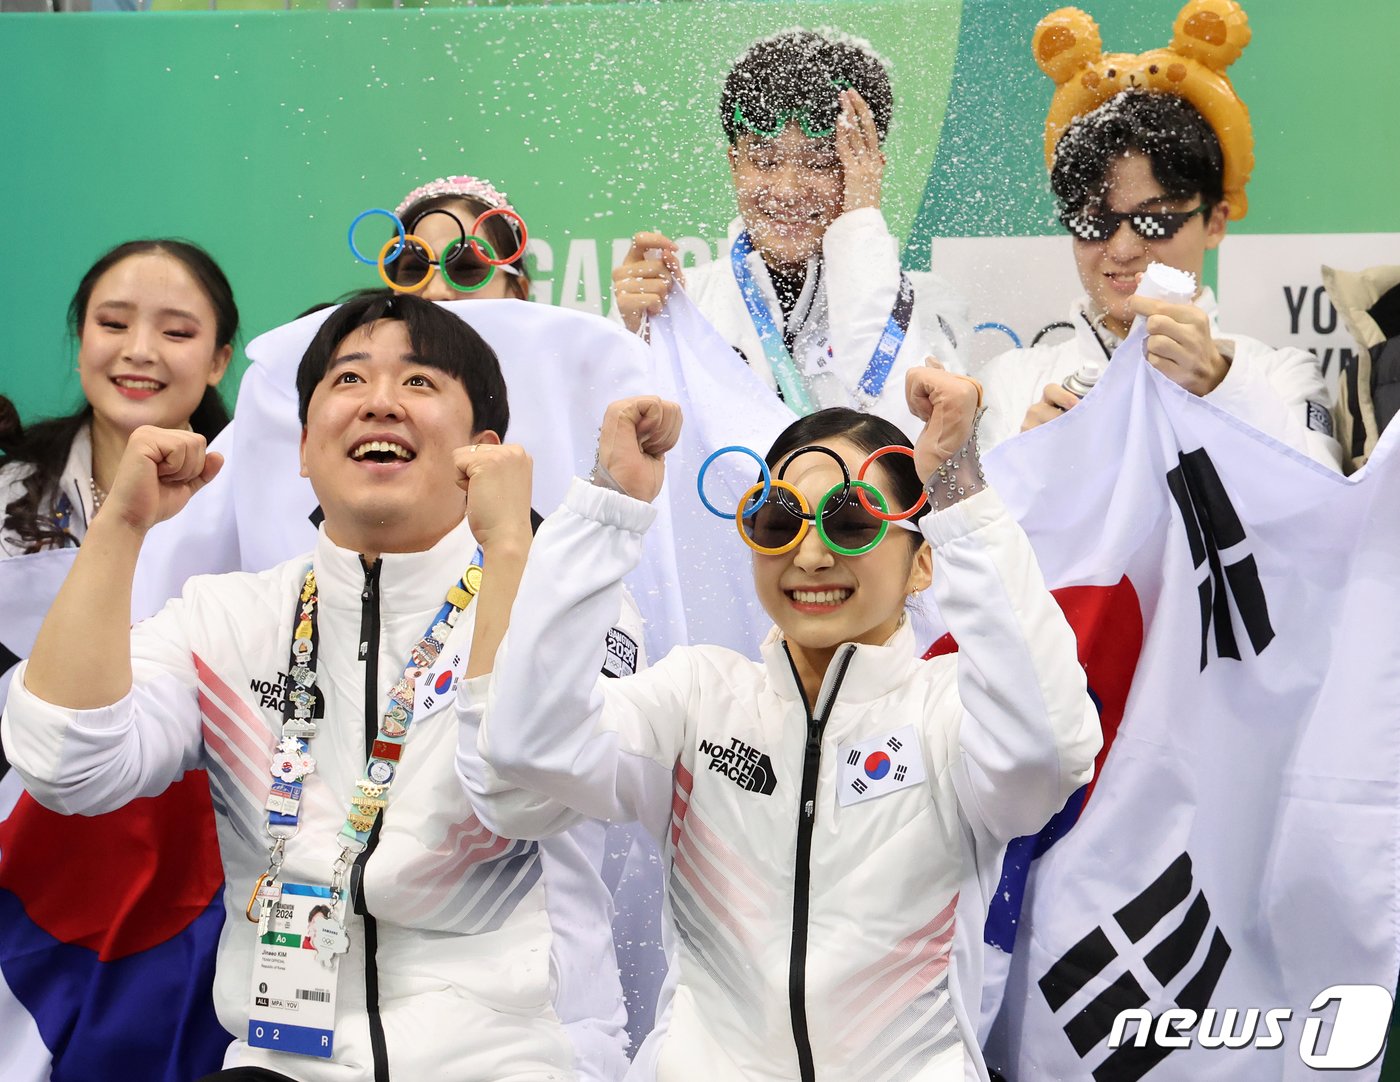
[
  {"x": 1054, "y": 401},
  {"x": 1179, "y": 344},
  {"x": 947, "y": 404},
  {"x": 497, "y": 480},
  {"x": 862, "y": 160},
  {"x": 642, "y": 282},
  {"x": 634, "y": 439},
  {"x": 159, "y": 471}
]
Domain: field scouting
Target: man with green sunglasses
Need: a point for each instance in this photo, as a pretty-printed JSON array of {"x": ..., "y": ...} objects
[{"x": 809, "y": 288}]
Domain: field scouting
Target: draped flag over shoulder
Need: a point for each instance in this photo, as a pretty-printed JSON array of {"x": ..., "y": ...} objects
[
  {"x": 1237, "y": 610},
  {"x": 102, "y": 918}
]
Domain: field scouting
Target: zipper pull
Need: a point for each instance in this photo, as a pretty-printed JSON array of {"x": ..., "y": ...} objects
[{"x": 807, "y": 809}]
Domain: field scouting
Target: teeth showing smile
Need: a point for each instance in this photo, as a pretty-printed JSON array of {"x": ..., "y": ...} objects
[
  {"x": 381, "y": 451},
  {"x": 819, "y": 597},
  {"x": 138, "y": 384}
]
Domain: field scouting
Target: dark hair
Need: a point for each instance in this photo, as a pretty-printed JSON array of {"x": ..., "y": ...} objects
[
  {"x": 45, "y": 445},
  {"x": 800, "y": 71},
  {"x": 440, "y": 340},
  {"x": 869, "y": 433},
  {"x": 1167, "y": 130},
  {"x": 499, "y": 230}
]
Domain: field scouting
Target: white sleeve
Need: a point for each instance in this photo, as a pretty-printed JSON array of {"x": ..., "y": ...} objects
[
  {"x": 1006, "y": 396},
  {"x": 861, "y": 261},
  {"x": 604, "y": 747},
  {"x": 510, "y": 810},
  {"x": 1029, "y": 731},
  {"x": 93, "y": 761},
  {"x": 1270, "y": 389}
]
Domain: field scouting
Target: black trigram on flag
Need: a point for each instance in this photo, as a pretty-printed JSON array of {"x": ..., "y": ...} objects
[
  {"x": 1145, "y": 975},
  {"x": 853, "y": 758},
  {"x": 900, "y": 771},
  {"x": 859, "y": 785},
  {"x": 1212, "y": 526},
  {"x": 893, "y": 743}
]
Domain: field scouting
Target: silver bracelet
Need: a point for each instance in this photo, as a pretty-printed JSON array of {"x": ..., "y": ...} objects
[
  {"x": 961, "y": 476},
  {"x": 603, "y": 479}
]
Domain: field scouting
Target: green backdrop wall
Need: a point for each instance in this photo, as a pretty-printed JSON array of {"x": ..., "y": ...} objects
[{"x": 260, "y": 135}]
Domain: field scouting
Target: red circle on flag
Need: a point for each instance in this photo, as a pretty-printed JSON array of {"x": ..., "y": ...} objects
[
  {"x": 877, "y": 765},
  {"x": 443, "y": 682}
]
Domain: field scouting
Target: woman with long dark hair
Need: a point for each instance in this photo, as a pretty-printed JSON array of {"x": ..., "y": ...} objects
[{"x": 155, "y": 322}]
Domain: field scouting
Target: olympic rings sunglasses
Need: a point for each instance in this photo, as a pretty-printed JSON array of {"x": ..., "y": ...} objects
[
  {"x": 773, "y": 516},
  {"x": 465, "y": 254},
  {"x": 1147, "y": 224}
]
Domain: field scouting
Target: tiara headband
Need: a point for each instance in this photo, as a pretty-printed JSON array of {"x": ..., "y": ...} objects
[{"x": 470, "y": 187}]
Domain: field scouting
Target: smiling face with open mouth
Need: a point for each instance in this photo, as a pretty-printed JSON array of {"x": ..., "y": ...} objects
[
  {"x": 820, "y": 598},
  {"x": 381, "y": 427},
  {"x": 147, "y": 349},
  {"x": 789, "y": 189}
]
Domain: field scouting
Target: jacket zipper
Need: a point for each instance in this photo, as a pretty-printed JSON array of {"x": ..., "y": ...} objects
[
  {"x": 369, "y": 656},
  {"x": 802, "y": 869}
]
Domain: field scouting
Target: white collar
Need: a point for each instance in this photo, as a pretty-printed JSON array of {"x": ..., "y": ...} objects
[
  {"x": 872, "y": 672},
  {"x": 408, "y": 581}
]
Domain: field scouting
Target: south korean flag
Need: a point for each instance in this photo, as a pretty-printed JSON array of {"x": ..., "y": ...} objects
[
  {"x": 880, "y": 765},
  {"x": 435, "y": 687}
]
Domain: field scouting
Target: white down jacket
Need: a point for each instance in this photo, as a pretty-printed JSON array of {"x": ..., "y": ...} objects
[
  {"x": 494, "y": 959},
  {"x": 823, "y": 929}
]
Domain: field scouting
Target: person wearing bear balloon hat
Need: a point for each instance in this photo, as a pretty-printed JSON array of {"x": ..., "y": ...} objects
[{"x": 1149, "y": 156}]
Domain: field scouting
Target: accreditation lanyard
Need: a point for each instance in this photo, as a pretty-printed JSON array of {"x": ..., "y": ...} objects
[
  {"x": 791, "y": 385},
  {"x": 304, "y": 703}
]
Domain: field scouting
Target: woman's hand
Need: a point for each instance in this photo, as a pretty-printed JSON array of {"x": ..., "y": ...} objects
[
  {"x": 496, "y": 478},
  {"x": 947, "y": 404},
  {"x": 636, "y": 434}
]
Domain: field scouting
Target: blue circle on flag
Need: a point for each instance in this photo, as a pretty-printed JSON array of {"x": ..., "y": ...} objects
[
  {"x": 443, "y": 682},
  {"x": 877, "y": 765}
]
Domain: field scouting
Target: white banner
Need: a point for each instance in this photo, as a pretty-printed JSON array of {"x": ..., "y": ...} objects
[{"x": 1271, "y": 288}]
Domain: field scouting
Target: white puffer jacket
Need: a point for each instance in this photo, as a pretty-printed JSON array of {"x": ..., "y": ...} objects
[
  {"x": 818, "y": 936},
  {"x": 74, "y": 488},
  {"x": 494, "y": 957}
]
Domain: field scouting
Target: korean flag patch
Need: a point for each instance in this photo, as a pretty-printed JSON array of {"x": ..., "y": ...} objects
[
  {"x": 880, "y": 765},
  {"x": 436, "y": 687}
]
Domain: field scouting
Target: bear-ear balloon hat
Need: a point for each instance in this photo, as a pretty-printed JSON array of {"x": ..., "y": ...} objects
[{"x": 1207, "y": 37}]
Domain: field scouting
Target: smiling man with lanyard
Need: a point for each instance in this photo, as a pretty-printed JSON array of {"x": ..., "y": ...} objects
[
  {"x": 810, "y": 291},
  {"x": 373, "y": 922}
]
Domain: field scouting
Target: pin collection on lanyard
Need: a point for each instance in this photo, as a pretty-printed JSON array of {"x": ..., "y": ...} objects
[
  {"x": 791, "y": 385},
  {"x": 292, "y": 761}
]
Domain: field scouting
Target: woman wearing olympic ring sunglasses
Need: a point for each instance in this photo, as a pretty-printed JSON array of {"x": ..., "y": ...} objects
[
  {"x": 444, "y": 214},
  {"x": 833, "y": 816}
]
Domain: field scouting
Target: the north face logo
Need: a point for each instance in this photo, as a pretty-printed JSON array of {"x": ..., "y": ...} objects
[
  {"x": 746, "y": 766},
  {"x": 1141, "y": 955}
]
